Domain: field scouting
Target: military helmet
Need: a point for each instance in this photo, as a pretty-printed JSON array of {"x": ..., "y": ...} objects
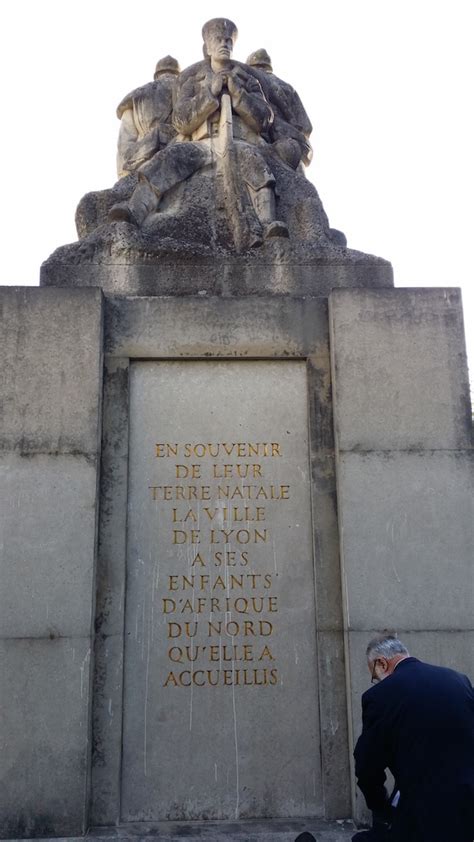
[
  {"x": 260, "y": 58},
  {"x": 168, "y": 64}
]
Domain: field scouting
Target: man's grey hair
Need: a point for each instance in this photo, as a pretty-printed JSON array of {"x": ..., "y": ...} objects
[{"x": 385, "y": 645}]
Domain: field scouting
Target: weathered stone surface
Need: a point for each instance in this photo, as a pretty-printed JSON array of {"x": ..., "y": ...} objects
[
  {"x": 212, "y": 193},
  {"x": 51, "y": 341},
  {"x": 198, "y": 327},
  {"x": 271, "y": 830},
  {"x": 401, "y": 379},
  {"x": 164, "y": 328},
  {"x": 44, "y": 695},
  {"x": 145, "y": 116},
  {"x": 214, "y": 148},
  {"x": 404, "y": 477},
  {"x": 248, "y": 665},
  {"x": 209, "y": 285},
  {"x": 277, "y": 269},
  {"x": 111, "y": 578},
  {"x": 328, "y": 592},
  {"x": 51, "y": 391},
  {"x": 106, "y": 771},
  {"x": 113, "y": 495},
  {"x": 47, "y": 522},
  {"x": 407, "y": 525},
  {"x": 333, "y": 723}
]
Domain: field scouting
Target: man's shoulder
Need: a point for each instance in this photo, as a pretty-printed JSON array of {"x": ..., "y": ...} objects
[
  {"x": 196, "y": 71},
  {"x": 442, "y": 674},
  {"x": 138, "y": 93},
  {"x": 411, "y": 672},
  {"x": 399, "y": 676}
]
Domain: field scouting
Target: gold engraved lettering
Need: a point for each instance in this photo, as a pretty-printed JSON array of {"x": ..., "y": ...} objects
[
  {"x": 196, "y": 676},
  {"x": 253, "y": 492},
  {"x": 249, "y": 628},
  {"x": 242, "y": 536},
  {"x": 190, "y": 515},
  {"x": 237, "y": 514},
  {"x": 166, "y": 450},
  {"x": 215, "y": 602},
  {"x": 226, "y": 653},
  {"x": 178, "y": 629},
  {"x": 171, "y": 681},
  {"x": 231, "y": 559},
  {"x": 213, "y": 677},
  {"x": 181, "y": 678},
  {"x": 188, "y": 471},
  {"x": 169, "y": 605},
  {"x": 180, "y": 536},
  {"x": 237, "y": 604},
  {"x": 244, "y": 470},
  {"x": 239, "y": 449},
  {"x": 181, "y": 654}
]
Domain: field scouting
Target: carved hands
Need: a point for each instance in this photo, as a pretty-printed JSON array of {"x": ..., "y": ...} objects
[
  {"x": 227, "y": 80},
  {"x": 217, "y": 83}
]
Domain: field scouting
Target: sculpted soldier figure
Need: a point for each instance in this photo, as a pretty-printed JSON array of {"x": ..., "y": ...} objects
[
  {"x": 145, "y": 116},
  {"x": 291, "y": 126},
  {"x": 223, "y": 119}
]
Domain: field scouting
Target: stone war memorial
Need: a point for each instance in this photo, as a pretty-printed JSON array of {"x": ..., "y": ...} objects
[{"x": 231, "y": 452}]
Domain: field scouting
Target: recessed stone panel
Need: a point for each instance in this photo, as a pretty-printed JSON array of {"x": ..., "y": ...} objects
[{"x": 220, "y": 701}]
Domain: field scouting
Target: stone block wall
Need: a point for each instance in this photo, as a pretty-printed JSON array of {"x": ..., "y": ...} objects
[
  {"x": 49, "y": 454},
  {"x": 391, "y": 497},
  {"x": 404, "y": 474}
]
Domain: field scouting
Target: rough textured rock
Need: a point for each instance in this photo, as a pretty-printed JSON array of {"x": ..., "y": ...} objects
[{"x": 216, "y": 182}]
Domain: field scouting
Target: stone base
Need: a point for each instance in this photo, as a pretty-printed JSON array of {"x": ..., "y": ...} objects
[
  {"x": 113, "y": 259},
  {"x": 392, "y": 474},
  {"x": 271, "y": 830},
  {"x": 313, "y": 278}
]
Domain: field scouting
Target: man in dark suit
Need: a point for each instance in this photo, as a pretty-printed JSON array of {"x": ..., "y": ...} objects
[{"x": 418, "y": 721}]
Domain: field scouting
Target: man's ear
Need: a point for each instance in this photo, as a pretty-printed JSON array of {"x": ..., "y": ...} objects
[{"x": 385, "y": 664}]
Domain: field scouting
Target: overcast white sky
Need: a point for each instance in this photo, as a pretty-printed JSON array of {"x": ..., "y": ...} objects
[{"x": 386, "y": 83}]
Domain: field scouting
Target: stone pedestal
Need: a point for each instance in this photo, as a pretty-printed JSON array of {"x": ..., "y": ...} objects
[{"x": 321, "y": 451}]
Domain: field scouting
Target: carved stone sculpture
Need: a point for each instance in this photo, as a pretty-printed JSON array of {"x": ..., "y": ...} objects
[
  {"x": 211, "y": 165},
  {"x": 222, "y": 117},
  {"x": 291, "y": 126},
  {"x": 146, "y": 118},
  {"x": 233, "y": 132}
]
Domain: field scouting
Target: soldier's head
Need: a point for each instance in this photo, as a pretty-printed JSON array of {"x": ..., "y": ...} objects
[
  {"x": 219, "y": 35},
  {"x": 261, "y": 60},
  {"x": 168, "y": 64}
]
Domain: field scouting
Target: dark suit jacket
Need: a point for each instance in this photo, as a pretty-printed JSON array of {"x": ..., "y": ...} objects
[{"x": 419, "y": 723}]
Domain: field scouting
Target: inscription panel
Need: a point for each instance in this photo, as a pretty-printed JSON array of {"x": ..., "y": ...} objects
[{"x": 220, "y": 700}]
